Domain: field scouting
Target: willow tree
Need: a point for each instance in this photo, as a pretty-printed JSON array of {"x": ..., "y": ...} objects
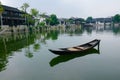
[
  {"x": 1, "y": 11},
  {"x": 24, "y": 9}
]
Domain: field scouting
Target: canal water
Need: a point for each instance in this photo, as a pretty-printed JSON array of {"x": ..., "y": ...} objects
[{"x": 26, "y": 56}]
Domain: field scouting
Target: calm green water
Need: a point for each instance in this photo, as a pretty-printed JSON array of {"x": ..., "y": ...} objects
[{"x": 26, "y": 56}]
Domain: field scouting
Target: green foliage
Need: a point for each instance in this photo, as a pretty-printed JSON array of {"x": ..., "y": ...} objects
[
  {"x": 52, "y": 20},
  {"x": 24, "y": 7},
  {"x": 1, "y": 9},
  {"x": 41, "y": 24},
  {"x": 116, "y": 18},
  {"x": 89, "y": 18},
  {"x": 47, "y": 21},
  {"x": 53, "y": 34},
  {"x": 71, "y": 21},
  {"x": 30, "y": 20},
  {"x": 34, "y": 12}
]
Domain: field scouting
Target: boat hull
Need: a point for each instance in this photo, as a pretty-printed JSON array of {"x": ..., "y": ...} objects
[{"x": 76, "y": 49}]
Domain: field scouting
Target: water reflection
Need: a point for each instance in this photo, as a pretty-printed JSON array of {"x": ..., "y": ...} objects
[
  {"x": 11, "y": 43},
  {"x": 114, "y": 29},
  {"x": 65, "y": 58}
]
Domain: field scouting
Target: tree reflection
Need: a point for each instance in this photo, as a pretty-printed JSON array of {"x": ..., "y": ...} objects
[
  {"x": 116, "y": 30},
  {"x": 12, "y": 43},
  {"x": 29, "y": 54},
  {"x": 52, "y": 34},
  {"x": 36, "y": 47},
  {"x": 3, "y": 62},
  {"x": 3, "y": 56}
]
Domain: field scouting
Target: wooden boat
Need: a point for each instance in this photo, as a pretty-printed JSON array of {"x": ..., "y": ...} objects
[
  {"x": 76, "y": 49},
  {"x": 65, "y": 58}
]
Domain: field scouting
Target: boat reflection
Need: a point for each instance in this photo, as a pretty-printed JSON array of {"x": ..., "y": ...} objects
[{"x": 64, "y": 58}]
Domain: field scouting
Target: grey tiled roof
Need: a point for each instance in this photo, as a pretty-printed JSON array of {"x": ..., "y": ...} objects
[{"x": 10, "y": 8}]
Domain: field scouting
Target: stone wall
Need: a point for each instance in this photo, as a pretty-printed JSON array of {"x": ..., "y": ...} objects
[{"x": 14, "y": 29}]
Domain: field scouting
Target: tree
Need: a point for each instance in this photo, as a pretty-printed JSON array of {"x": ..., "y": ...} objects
[
  {"x": 1, "y": 11},
  {"x": 30, "y": 20},
  {"x": 89, "y": 19},
  {"x": 35, "y": 13},
  {"x": 24, "y": 9},
  {"x": 47, "y": 20},
  {"x": 116, "y": 18},
  {"x": 52, "y": 20}
]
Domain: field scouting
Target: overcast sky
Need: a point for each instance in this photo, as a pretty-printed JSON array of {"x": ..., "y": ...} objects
[{"x": 71, "y": 8}]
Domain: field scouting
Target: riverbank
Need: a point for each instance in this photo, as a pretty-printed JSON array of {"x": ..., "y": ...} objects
[
  {"x": 8, "y": 30},
  {"x": 24, "y": 29}
]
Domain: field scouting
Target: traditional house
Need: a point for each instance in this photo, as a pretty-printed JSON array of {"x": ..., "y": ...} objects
[
  {"x": 63, "y": 21},
  {"x": 100, "y": 20},
  {"x": 12, "y": 16},
  {"x": 76, "y": 21},
  {"x": 71, "y": 21}
]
